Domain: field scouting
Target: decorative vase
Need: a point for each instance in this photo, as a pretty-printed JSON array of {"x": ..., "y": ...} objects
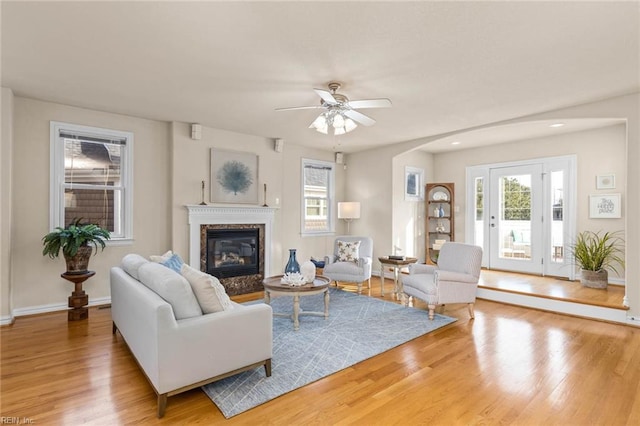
[
  {"x": 308, "y": 271},
  {"x": 594, "y": 279},
  {"x": 440, "y": 211},
  {"x": 292, "y": 265}
]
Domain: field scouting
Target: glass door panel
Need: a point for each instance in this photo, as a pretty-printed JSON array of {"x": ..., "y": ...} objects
[{"x": 515, "y": 221}]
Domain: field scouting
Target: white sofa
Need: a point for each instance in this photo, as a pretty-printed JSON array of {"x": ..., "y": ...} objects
[{"x": 179, "y": 355}]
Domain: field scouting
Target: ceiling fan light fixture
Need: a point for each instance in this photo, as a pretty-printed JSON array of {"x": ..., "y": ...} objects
[
  {"x": 338, "y": 122},
  {"x": 340, "y": 113},
  {"x": 349, "y": 125}
]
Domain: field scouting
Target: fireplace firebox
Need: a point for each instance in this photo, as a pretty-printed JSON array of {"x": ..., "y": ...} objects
[{"x": 233, "y": 252}]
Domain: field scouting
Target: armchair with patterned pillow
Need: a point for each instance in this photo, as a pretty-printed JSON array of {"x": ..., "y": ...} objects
[{"x": 351, "y": 261}]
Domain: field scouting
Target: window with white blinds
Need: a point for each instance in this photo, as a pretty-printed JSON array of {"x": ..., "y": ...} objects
[
  {"x": 318, "y": 192},
  {"x": 92, "y": 178}
]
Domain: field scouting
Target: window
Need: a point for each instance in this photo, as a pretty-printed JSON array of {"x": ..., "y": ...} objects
[
  {"x": 91, "y": 178},
  {"x": 317, "y": 196}
]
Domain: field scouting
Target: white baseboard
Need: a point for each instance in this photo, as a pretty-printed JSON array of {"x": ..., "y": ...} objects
[
  {"x": 33, "y": 310},
  {"x": 6, "y": 320},
  {"x": 557, "y": 306}
]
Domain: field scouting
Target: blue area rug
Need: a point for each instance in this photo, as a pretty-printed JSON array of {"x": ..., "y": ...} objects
[{"x": 358, "y": 328}]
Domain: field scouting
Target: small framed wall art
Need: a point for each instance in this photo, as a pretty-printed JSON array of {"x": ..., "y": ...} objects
[
  {"x": 607, "y": 181},
  {"x": 413, "y": 178},
  {"x": 605, "y": 206},
  {"x": 234, "y": 177}
]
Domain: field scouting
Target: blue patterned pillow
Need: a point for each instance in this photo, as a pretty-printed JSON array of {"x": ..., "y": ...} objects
[{"x": 174, "y": 262}]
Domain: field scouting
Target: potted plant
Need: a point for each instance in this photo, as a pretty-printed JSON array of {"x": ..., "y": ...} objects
[
  {"x": 595, "y": 254},
  {"x": 77, "y": 242}
]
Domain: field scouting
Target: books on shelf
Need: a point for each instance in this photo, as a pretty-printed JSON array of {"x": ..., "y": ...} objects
[{"x": 437, "y": 245}]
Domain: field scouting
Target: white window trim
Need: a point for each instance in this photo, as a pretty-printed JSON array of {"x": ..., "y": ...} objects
[
  {"x": 331, "y": 211},
  {"x": 56, "y": 179}
]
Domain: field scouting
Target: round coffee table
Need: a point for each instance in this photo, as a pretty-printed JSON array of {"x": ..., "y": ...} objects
[{"x": 274, "y": 287}]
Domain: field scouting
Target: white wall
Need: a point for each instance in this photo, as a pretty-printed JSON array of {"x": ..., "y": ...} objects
[
  {"x": 598, "y": 151},
  {"x": 280, "y": 171},
  {"x": 409, "y": 216},
  {"x": 6, "y": 149},
  {"x": 35, "y": 280},
  {"x": 168, "y": 170},
  {"x": 376, "y": 187}
]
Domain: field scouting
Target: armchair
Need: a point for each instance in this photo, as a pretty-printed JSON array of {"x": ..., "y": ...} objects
[
  {"x": 339, "y": 266},
  {"x": 453, "y": 280}
]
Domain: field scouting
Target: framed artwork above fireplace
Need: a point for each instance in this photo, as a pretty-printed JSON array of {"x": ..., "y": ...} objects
[{"x": 234, "y": 177}]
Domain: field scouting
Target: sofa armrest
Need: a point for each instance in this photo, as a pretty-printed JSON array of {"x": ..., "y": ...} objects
[
  {"x": 455, "y": 276},
  {"x": 329, "y": 259},
  {"x": 421, "y": 268},
  {"x": 214, "y": 344},
  {"x": 364, "y": 261}
]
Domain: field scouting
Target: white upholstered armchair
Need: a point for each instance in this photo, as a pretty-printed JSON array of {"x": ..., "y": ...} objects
[
  {"x": 351, "y": 261},
  {"x": 453, "y": 280}
]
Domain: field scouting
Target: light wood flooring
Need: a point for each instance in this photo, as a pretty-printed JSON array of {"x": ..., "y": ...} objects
[
  {"x": 553, "y": 288},
  {"x": 510, "y": 365}
]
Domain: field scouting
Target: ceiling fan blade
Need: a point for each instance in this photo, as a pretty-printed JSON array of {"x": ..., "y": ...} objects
[
  {"x": 370, "y": 103},
  {"x": 326, "y": 96},
  {"x": 360, "y": 117},
  {"x": 300, "y": 107}
]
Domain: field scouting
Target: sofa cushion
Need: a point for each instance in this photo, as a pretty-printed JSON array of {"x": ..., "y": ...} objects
[
  {"x": 159, "y": 258},
  {"x": 175, "y": 262},
  {"x": 210, "y": 294},
  {"x": 348, "y": 251},
  {"x": 131, "y": 263},
  {"x": 172, "y": 287}
]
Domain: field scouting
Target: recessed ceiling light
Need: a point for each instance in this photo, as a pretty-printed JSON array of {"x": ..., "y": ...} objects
[
  {"x": 556, "y": 125},
  {"x": 455, "y": 143}
]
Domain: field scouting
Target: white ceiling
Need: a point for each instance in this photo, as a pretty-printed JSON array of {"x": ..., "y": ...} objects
[{"x": 446, "y": 66}]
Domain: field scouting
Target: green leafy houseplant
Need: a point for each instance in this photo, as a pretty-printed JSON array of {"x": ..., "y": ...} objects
[
  {"x": 76, "y": 242},
  {"x": 597, "y": 253}
]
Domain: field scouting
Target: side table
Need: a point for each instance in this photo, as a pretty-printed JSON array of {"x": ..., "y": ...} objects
[
  {"x": 396, "y": 265},
  {"x": 78, "y": 300}
]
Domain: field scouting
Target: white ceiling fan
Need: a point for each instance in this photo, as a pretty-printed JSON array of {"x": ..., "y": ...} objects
[{"x": 340, "y": 113}]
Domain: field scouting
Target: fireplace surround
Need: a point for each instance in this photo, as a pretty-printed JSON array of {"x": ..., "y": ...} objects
[{"x": 230, "y": 219}]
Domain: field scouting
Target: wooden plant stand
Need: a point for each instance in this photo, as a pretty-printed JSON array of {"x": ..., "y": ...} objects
[{"x": 78, "y": 300}]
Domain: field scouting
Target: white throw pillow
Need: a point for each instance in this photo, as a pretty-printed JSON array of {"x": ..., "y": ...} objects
[
  {"x": 131, "y": 263},
  {"x": 172, "y": 287},
  {"x": 348, "y": 251},
  {"x": 159, "y": 258},
  {"x": 211, "y": 295}
]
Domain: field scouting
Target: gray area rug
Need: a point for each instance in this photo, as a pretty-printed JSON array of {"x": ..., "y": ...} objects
[{"x": 358, "y": 328}]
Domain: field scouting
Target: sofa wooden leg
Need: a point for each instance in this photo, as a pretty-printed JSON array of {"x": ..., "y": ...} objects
[
  {"x": 471, "y": 314},
  {"x": 267, "y": 367},
  {"x": 359, "y": 288},
  {"x": 162, "y": 404},
  {"x": 113, "y": 328}
]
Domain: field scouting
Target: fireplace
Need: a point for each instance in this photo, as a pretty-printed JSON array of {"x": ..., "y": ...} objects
[
  {"x": 259, "y": 220},
  {"x": 233, "y": 252}
]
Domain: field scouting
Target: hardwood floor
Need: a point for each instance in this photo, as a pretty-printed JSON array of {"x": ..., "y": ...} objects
[
  {"x": 510, "y": 365},
  {"x": 553, "y": 288}
]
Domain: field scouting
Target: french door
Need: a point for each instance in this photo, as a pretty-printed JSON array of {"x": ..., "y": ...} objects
[
  {"x": 523, "y": 214},
  {"x": 515, "y": 211}
]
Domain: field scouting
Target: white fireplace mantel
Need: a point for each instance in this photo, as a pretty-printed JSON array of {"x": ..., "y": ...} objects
[{"x": 228, "y": 215}]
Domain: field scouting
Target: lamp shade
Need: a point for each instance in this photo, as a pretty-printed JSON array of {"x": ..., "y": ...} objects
[{"x": 349, "y": 210}]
